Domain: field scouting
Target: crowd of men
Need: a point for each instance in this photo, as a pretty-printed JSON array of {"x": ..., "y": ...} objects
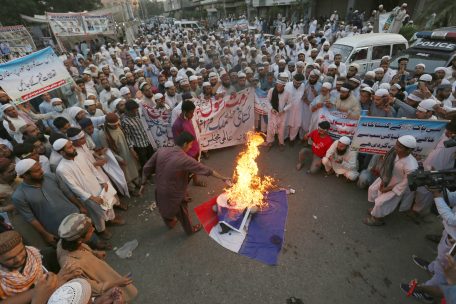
[{"x": 69, "y": 158}]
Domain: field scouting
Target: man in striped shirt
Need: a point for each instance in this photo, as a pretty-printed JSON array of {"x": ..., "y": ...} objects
[{"x": 136, "y": 137}]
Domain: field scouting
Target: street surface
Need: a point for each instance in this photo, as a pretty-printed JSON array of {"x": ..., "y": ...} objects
[{"x": 329, "y": 255}]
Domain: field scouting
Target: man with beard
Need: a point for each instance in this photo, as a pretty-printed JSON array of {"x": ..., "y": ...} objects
[
  {"x": 347, "y": 103},
  {"x": 226, "y": 88},
  {"x": 161, "y": 83},
  {"x": 43, "y": 200},
  {"x": 172, "y": 99},
  {"x": 419, "y": 70},
  {"x": 353, "y": 69},
  {"x": 340, "y": 160},
  {"x": 194, "y": 87},
  {"x": 379, "y": 73},
  {"x": 84, "y": 180},
  {"x": 148, "y": 96},
  {"x": 341, "y": 68},
  {"x": 242, "y": 81},
  {"x": 279, "y": 104},
  {"x": 131, "y": 83},
  {"x": 91, "y": 107},
  {"x": 311, "y": 90},
  {"x": 207, "y": 92},
  {"x": 391, "y": 188},
  {"x": 326, "y": 52},
  {"x": 113, "y": 81},
  {"x": 295, "y": 90},
  {"x": 108, "y": 95}
]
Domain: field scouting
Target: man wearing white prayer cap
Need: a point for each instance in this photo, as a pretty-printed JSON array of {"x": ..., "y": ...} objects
[
  {"x": 391, "y": 188},
  {"x": 295, "y": 89},
  {"x": 426, "y": 109},
  {"x": 172, "y": 99},
  {"x": 76, "y": 291},
  {"x": 279, "y": 104},
  {"x": 339, "y": 159},
  {"x": 24, "y": 165},
  {"x": 347, "y": 103},
  {"x": 91, "y": 108},
  {"x": 125, "y": 92}
]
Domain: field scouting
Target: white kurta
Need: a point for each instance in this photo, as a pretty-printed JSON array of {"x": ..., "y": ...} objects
[
  {"x": 346, "y": 164},
  {"x": 385, "y": 203},
  {"x": 294, "y": 116}
]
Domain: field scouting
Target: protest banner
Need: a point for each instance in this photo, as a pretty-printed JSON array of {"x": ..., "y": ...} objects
[
  {"x": 377, "y": 135},
  {"x": 261, "y": 102},
  {"x": 340, "y": 125},
  {"x": 99, "y": 24},
  {"x": 16, "y": 39},
  {"x": 66, "y": 24},
  {"x": 32, "y": 75},
  {"x": 157, "y": 123},
  {"x": 384, "y": 22},
  {"x": 224, "y": 122}
]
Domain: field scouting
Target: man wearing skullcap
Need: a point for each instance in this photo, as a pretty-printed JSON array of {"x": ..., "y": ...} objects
[
  {"x": 381, "y": 105},
  {"x": 443, "y": 94},
  {"x": 7, "y": 183},
  {"x": 85, "y": 181},
  {"x": 324, "y": 100},
  {"x": 311, "y": 91},
  {"x": 74, "y": 231},
  {"x": 91, "y": 108},
  {"x": 339, "y": 159},
  {"x": 279, "y": 104},
  {"x": 147, "y": 94},
  {"x": 172, "y": 98},
  {"x": 391, "y": 188},
  {"x": 295, "y": 89},
  {"x": 347, "y": 103}
]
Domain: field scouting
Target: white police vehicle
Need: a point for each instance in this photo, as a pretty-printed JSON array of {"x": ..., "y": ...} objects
[{"x": 434, "y": 49}]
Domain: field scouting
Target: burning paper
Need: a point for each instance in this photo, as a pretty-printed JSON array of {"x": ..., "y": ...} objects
[{"x": 248, "y": 189}]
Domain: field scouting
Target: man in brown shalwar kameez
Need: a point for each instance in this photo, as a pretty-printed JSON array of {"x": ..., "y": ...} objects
[{"x": 172, "y": 167}]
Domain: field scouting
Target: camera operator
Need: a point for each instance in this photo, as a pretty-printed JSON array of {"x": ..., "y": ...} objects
[
  {"x": 440, "y": 158},
  {"x": 448, "y": 239}
]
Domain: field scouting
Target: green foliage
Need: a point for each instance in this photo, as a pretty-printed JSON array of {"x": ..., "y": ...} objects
[
  {"x": 445, "y": 11},
  {"x": 408, "y": 30}
]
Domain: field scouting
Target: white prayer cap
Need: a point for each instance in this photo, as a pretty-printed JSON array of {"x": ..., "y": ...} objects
[
  {"x": 223, "y": 73},
  {"x": 248, "y": 70},
  {"x": 425, "y": 77},
  {"x": 326, "y": 43},
  {"x": 301, "y": 52},
  {"x": 397, "y": 85},
  {"x": 426, "y": 105},
  {"x": 354, "y": 79},
  {"x": 201, "y": 60},
  {"x": 280, "y": 81},
  {"x": 381, "y": 92},
  {"x": 91, "y": 94},
  {"x": 7, "y": 106},
  {"x": 158, "y": 96},
  {"x": 440, "y": 69},
  {"x": 315, "y": 72},
  {"x": 386, "y": 58},
  {"x": 73, "y": 111},
  {"x": 169, "y": 84},
  {"x": 408, "y": 141},
  {"x": 124, "y": 91},
  {"x": 173, "y": 69},
  {"x": 89, "y": 102},
  {"x": 300, "y": 64},
  {"x": 76, "y": 291},
  {"x": 184, "y": 81},
  {"x": 116, "y": 102},
  {"x": 206, "y": 84},
  {"x": 414, "y": 97},
  {"x": 141, "y": 86},
  {"x": 193, "y": 78},
  {"x": 212, "y": 75},
  {"x": 77, "y": 136},
  {"x": 326, "y": 85},
  {"x": 282, "y": 61},
  {"x": 55, "y": 99},
  {"x": 314, "y": 50},
  {"x": 241, "y": 74},
  {"x": 126, "y": 69},
  {"x": 385, "y": 86},
  {"x": 138, "y": 71},
  {"x": 379, "y": 70},
  {"x": 370, "y": 73},
  {"x": 345, "y": 140},
  {"x": 420, "y": 65},
  {"x": 87, "y": 71},
  {"x": 367, "y": 89},
  {"x": 24, "y": 165},
  {"x": 59, "y": 144},
  {"x": 355, "y": 65},
  {"x": 332, "y": 66}
]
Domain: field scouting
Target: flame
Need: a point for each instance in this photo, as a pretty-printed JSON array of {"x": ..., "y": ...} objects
[{"x": 249, "y": 188}]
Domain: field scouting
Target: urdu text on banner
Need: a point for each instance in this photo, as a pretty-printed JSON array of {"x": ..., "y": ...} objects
[
  {"x": 32, "y": 75},
  {"x": 377, "y": 135}
]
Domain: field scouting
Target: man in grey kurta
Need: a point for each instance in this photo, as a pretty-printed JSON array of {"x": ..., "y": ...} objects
[{"x": 172, "y": 167}]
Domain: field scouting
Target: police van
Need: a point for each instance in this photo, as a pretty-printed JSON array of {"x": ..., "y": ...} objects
[{"x": 434, "y": 49}]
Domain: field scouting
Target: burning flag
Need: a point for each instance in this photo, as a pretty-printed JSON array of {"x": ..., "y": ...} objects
[{"x": 263, "y": 238}]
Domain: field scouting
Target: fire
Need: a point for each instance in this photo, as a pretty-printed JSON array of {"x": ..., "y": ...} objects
[{"x": 249, "y": 188}]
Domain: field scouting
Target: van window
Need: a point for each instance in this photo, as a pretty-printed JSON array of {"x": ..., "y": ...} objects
[
  {"x": 398, "y": 49},
  {"x": 379, "y": 51},
  {"x": 359, "y": 54}
]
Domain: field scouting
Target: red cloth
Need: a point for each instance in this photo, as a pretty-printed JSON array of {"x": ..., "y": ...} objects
[
  {"x": 207, "y": 217},
  {"x": 320, "y": 144}
]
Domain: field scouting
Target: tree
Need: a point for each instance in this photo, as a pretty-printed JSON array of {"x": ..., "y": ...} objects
[
  {"x": 445, "y": 11},
  {"x": 152, "y": 8},
  {"x": 64, "y": 6}
]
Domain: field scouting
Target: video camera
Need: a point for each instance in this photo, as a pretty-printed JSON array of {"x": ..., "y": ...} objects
[{"x": 433, "y": 180}]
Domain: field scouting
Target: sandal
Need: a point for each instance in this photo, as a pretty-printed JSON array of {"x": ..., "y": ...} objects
[
  {"x": 372, "y": 221},
  {"x": 196, "y": 228}
]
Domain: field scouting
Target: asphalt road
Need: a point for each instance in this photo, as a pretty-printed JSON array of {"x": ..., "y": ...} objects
[{"x": 329, "y": 255}]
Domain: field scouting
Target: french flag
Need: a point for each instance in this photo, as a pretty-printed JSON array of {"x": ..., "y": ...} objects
[{"x": 258, "y": 236}]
